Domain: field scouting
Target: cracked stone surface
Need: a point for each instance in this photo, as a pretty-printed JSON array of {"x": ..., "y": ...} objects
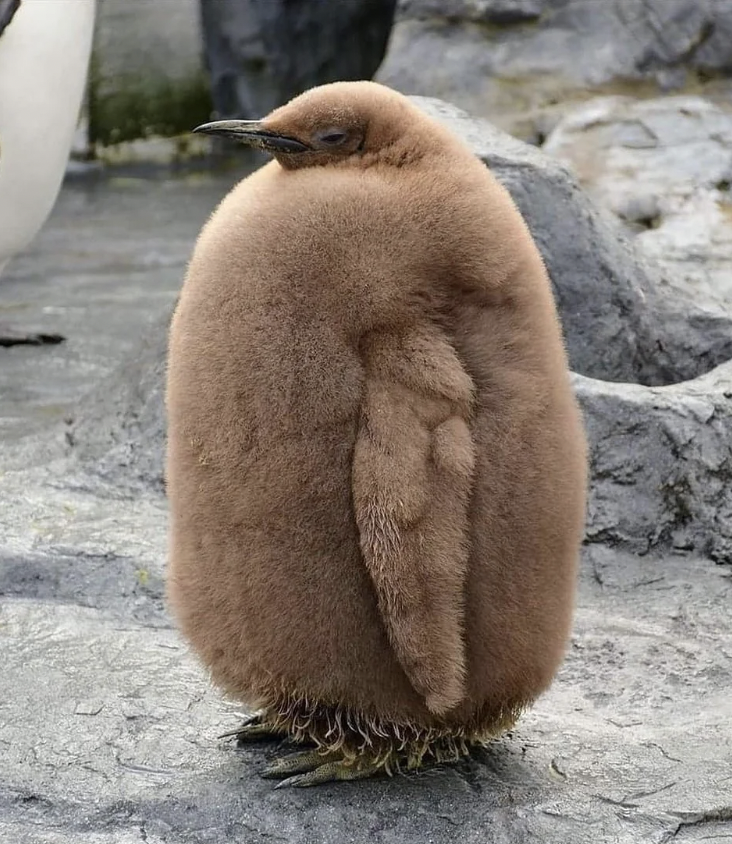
[
  {"x": 661, "y": 467},
  {"x": 108, "y": 726}
]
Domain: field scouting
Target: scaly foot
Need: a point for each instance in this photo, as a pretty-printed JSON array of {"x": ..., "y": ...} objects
[{"x": 315, "y": 767}]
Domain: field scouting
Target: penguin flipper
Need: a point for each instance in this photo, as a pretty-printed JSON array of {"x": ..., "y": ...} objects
[{"x": 412, "y": 478}]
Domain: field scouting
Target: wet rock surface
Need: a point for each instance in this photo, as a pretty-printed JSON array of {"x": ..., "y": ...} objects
[
  {"x": 631, "y": 744},
  {"x": 109, "y": 265},
  {"x": 108, "y": 727}
]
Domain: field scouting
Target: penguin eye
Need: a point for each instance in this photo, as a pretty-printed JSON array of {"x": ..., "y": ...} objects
[{"x": 333, "y": 137}]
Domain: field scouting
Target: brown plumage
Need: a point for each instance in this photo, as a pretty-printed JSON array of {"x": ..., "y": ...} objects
[{"x": 376, "y": 466}]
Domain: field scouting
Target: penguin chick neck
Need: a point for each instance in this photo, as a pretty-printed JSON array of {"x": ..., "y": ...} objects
[{"x": 341, "y": 124}]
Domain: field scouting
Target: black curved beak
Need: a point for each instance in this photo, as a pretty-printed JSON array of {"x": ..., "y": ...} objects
[{"x": 253, "y": 134}]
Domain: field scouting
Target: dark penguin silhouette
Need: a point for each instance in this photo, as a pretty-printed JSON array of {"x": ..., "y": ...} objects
[
  {"x": 376, "y": 465},
  {"x": 261, "y": 53}
]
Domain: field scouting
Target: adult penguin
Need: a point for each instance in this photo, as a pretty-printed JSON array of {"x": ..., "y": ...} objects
[{"x": 44, "y": 56}]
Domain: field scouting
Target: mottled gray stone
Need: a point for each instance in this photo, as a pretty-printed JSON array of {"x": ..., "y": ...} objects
[
  {"x": 504, "y": 60},
  {"x": 664, "y": 167},
  {"x": 661, "y": 464},
  {"x": 591, "y": 42},
  {"x": 120, "y": 427}
]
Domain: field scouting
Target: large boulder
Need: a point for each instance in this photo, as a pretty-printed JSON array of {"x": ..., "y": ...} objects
[
  {"x": 622, "y": 319},
  {"x": 661, "y": 464},
  {"x": 261, "y": 53},
  {"x": 506, "y": 58}
]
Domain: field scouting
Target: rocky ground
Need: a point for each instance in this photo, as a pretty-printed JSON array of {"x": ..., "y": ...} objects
[{"x": 108, "y": 727}]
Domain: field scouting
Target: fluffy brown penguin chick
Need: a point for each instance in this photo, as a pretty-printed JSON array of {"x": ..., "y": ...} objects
[{"x": 376, "y": 465}]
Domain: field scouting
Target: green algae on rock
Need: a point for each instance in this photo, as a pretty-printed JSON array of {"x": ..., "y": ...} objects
[{"x": 139, "y": 107}]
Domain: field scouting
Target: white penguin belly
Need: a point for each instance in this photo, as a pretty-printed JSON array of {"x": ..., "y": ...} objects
[{"x": 44, "y": 55}]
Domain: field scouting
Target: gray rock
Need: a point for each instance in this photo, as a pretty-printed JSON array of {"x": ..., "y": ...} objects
[
  {"x": 120, "y": 428},
  {"x": 664, "y": 167},
  {"x": 485, "y": 11},
  {"x": 120, "y": 741},
  {"x": 261, "y": 53},
  {"x": 504, "y": 60},
  {"x": 622, "y": 321},
  {"x": 661, "y": 463}
]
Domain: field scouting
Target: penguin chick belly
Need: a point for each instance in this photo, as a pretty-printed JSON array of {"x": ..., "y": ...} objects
[
  {"x": 265, "y": 569},
  {"x": 266, "y": 573},
  {"x": 304, "y": 641}
]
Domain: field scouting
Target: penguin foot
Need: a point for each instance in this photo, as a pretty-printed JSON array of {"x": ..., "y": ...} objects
[
  {"x": 315, "y": 767},
  {"x": 255, "y": 728}
]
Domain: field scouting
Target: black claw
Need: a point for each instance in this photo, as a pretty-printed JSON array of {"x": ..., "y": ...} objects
[{"x": 250, "y": 721}]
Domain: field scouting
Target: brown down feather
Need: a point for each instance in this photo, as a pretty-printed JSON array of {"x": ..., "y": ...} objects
[{"x": 376, "y": 465}]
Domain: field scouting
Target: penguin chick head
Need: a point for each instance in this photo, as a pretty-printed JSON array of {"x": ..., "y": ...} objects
[{"x": 336, "y": 123}]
